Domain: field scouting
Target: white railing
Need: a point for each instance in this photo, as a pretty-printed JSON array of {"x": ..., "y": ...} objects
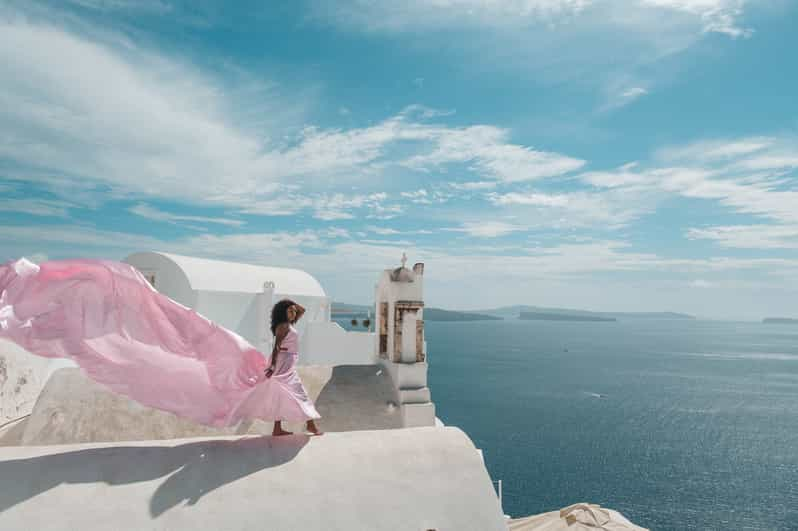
[{"x": 498, "y": 484}]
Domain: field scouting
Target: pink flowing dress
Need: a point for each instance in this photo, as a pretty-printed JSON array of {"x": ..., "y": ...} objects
[
  {"x": 276, "y": 397},
  {"x": 107, "y": 318}
]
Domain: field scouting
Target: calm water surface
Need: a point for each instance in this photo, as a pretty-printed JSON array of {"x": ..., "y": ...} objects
[{"x": 678, "y": 424}]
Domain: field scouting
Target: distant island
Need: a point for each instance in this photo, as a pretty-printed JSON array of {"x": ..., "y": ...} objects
[
  {"x": 542, "y": 316},
  {"x": 344, "y": 310},
  {"x": 512, "y": 312},
  {"x": 780, "y": 320},
  {"x": 436, "y": 314}
]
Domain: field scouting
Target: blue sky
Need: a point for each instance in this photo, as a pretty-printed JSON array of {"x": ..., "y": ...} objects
[{"x": 600, "y": 154}]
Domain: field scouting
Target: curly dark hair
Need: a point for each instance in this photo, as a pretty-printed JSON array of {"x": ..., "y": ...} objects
[{"x": 280, "y": 313}]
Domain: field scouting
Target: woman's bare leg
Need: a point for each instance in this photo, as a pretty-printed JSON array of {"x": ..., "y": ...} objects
[{"x": 278, "y": 429}]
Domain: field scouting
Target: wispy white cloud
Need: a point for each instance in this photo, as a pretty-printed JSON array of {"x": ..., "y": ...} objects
[
  {"x": 473, "y": 185},
  {"x": 487, "y": 229},
  {"x": 633, "y": 93},
  {"x": 491, "y": 155},
  {"x": 367, "y": 151},
  {"x": 383, "y": 231},
  {"x": 721, "y": 150},
  {"x": 749, "y": 175},
  {"x": 606, "y": 209},
  {"x": 411, "y": 14},
  {"x": 36, "y": 207},
  {"x": 336, "y": 232},
  {"x": 420, "y": 197},
  {"x": 718, "y": 16},
  {"x": 764, "y": 236},
  {"x": 326, "y": 207},
  {"x": 389, "y": 231},
  {"x": 146, "y": 211},
  {"x": 620, "y": 87},
  {"x": 620, "y": 97}
]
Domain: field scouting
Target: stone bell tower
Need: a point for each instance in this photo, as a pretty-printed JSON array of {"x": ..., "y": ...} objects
[{"x": 400, "y": 344}]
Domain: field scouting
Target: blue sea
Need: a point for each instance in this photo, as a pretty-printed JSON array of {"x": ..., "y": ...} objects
[{"x": 680, "y": 425}]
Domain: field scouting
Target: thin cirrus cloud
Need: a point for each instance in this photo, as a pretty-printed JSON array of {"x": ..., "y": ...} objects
[
  {"x": 36, "y": 207},
  {"x": 710, "y": 15},
  {"x": 762, "y": 236},
  {"x": 752, "y": 177},
  {"x": 542, "y": 33},
  {"x": 486, "y": 229},
  {"x": 622, "y": 97},
  {"x": 326, "y": 206},
  {"x": 149, "y": 212},
  {"x": 604, "y": 209},
  {"x": 719, "y": 16},
  {"x": 411, "y": 14}
]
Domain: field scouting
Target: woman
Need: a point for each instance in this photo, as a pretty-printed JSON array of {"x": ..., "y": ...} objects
[
  {"x": 282, "y": 370},
  {"x": 111, "y": 322}
]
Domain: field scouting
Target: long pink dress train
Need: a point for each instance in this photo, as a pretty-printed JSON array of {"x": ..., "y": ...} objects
[{"x": 106, "y": 317}]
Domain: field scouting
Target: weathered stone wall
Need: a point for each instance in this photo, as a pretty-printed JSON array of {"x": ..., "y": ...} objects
[
  {"x": 74, "y": 409},
  {"x": 22, "y": 376}
]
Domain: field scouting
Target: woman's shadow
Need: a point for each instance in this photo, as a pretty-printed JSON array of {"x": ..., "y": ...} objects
[{"x": 196, "y": 468}]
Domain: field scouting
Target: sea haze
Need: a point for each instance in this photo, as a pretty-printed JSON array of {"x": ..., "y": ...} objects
[{"x": 679, "y": 424}]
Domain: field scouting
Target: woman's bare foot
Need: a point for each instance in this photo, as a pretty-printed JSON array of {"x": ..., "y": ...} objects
[
  {"x": 278, "y": 429},
  {"x": 312, "y": 428}
]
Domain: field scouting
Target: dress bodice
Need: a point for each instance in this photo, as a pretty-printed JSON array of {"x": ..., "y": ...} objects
[{"x": 290, "y": 342}]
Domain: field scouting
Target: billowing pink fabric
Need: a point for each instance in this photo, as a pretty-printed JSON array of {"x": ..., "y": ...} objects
[{"x": 107, "y": 318}]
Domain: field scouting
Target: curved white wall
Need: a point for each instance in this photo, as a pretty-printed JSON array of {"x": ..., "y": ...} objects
[{"x": 169, "y": 280}]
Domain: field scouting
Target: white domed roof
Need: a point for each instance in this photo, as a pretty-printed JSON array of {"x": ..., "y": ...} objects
[{"x": 216, "y": 275}]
